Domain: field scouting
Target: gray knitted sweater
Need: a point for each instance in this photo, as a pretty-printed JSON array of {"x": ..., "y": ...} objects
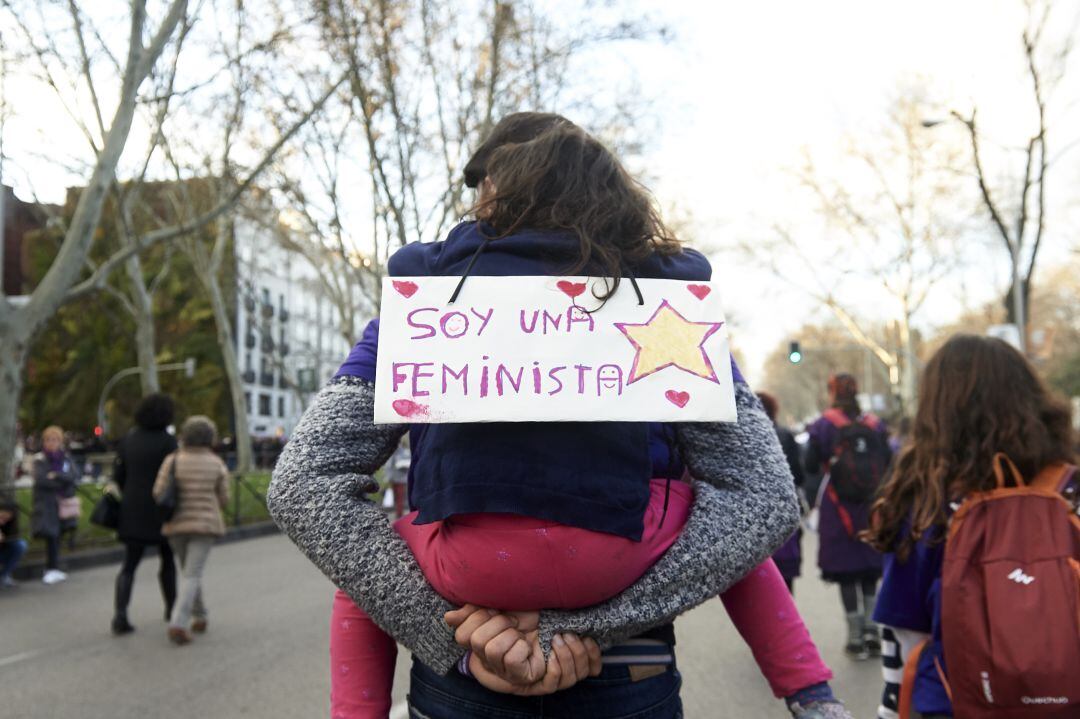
[{"x": 744, "y": 508}]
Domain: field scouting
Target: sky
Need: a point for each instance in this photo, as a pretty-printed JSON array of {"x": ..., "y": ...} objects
[
  {"x": 739, "y": 93},
  {"x": 748, "y": 86}
]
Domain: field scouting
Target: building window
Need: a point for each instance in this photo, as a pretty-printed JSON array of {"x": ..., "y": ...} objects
[
  {"x": 247, "y": 362},
  {"x": 247, "y": 402},
  {"x": 264, "y": 405},
  {"x": 280, "y": 406}
]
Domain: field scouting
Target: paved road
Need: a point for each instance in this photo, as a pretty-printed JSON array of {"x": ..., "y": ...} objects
[{"x": 265, "y": 653}]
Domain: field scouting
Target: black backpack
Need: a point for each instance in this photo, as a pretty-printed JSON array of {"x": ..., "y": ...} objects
[{"x": 860, "y": 457}]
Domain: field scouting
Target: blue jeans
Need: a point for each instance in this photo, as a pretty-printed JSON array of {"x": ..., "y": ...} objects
[
  {"x": 612, "y": 695},
  {"x": 11, "y": 552}
]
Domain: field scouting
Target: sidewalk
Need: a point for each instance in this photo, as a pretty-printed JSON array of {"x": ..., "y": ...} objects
[{"x": 98, "y": 556}]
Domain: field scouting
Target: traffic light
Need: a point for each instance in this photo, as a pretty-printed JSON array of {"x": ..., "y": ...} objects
[
  {"x": 794, "y": 353},
  {"x": 98, "y": 431}
]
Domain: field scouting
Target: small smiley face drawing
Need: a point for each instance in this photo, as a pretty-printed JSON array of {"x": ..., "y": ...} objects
[
  {"x": 609, "y": 377},
  {"x": 577, "y": 313},
  {"x": 455, "y": 324}
]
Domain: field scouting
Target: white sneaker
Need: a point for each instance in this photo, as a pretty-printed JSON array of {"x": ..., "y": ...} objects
[{"x": 52, "y": 576}]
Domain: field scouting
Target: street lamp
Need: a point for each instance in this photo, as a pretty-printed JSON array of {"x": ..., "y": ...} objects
[{"x": 187, "y": 365}]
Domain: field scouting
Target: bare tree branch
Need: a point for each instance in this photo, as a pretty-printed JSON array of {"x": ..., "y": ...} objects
[{"x": 97, "y": 279}]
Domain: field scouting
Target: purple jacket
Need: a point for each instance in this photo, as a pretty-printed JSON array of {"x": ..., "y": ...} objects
[{"x": 839, "y": 553}]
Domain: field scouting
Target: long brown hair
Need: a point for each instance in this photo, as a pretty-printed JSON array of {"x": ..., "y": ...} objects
[
  {"x": 549, "y": 174},
  {"x": 979, "y": 396}
]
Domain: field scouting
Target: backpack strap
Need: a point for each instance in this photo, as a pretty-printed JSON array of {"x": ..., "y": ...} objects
[
  {"x": 845, "y": 516},
  {"x": 836, "y": 417},
  {"x": 1055, "y": 477},
  {"x": 907, "y": 684}
]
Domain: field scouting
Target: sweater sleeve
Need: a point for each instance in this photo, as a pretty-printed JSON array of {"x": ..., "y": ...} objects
[
  {"x": 317, "y": 497},
  {"x": 744, "y": 508},
  {"x": 162, "y": 478}
]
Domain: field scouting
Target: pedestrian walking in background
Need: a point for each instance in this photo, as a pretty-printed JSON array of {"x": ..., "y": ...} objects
[
  {"x": 788, "y": 558},
  {"x": 397, "y": 471},
  {"x": 12, "y": 546},
  {"x": 986, "y": 427},
  {"x": 202, "y": 491},
  {"x": 851, "y": 449},
  {"x": 138, "y": 459},
  {"x": 56, "y": 505}
]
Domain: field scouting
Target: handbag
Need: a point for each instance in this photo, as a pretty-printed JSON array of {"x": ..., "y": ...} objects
[
  {"x": 69, "y": 507},
  {"x": 106, "y": 512},
  {"x": 166, "y": 501}
]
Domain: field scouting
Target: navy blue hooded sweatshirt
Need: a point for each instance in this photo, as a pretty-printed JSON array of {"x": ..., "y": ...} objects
[{"x": 592, "y": 475}]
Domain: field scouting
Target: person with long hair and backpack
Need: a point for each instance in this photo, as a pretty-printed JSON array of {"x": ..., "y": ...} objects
[
  {"x": 980, "y": 602},
  {"x": 850, "y": 447},
  {"x": 606, "y": 540}
]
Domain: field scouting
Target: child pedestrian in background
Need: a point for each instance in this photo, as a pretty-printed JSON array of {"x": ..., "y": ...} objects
[{"x": 982, "y": 412}]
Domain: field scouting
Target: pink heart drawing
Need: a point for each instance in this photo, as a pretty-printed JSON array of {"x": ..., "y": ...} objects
[
  {"x": 679, "y": 399},
  {"x": 405, "y": 288},
  {"x": 699, "y": 291},
  {"x": 571, "y": 289},
  {"x": 408, "y": 408}
]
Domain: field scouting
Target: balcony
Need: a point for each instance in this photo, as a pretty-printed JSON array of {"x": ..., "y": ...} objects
[
  {"x": 249, "y": 376},
  {"x": 249, "y": 340},
  {"x": 267, "y": 310},
  {"x": 266, "y": 379},
  {"x": 267, "y": 344},
  {"x": 283, "y": 314}
]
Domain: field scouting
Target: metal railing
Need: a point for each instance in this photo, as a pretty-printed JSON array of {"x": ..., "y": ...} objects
[{"x": 97, "y": 473}]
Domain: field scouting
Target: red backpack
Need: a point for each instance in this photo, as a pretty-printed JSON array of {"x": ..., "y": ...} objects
[{"x": 1010, "y": 606}]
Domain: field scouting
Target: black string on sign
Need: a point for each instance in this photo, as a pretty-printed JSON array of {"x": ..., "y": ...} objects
[{"x": 468, "y": 269}]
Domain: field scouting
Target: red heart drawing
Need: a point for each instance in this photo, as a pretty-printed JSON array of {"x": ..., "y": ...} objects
[
  {"x": 408, "y": 408},
  {"x": 406, "y": 288},
  {"x": 699, "y": 291},
  {"x": 572, "y": 289},
  {"x": 679, "y": 399}
]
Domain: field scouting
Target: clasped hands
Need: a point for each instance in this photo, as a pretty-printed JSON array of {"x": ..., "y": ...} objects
[{"x": 507, "y": 657}]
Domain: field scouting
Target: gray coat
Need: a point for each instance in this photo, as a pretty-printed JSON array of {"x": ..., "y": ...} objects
[
  {"x": 744, "y": 508},
  {"x": 49, "y": 486}
]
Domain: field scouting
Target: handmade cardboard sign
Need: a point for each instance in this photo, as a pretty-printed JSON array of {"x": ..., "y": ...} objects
[{"x": 544, "y": 349}]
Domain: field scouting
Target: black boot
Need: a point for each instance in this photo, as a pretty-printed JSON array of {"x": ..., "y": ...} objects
[{"x": 120, "y": 623}]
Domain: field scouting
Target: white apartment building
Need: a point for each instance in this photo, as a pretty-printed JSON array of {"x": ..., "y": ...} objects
[{"x": 288, "y": 341}]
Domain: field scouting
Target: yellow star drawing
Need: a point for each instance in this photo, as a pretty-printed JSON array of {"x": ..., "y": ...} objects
[{"x": 667, "y": 339}]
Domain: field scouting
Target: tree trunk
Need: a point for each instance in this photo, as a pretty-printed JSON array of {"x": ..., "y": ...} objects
[
  {"x": 909, "y": 369},
  {"x": 232, "y": 372},
  {"x": 13, "y": 353},
  {"x": 145, "y": 334}
]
